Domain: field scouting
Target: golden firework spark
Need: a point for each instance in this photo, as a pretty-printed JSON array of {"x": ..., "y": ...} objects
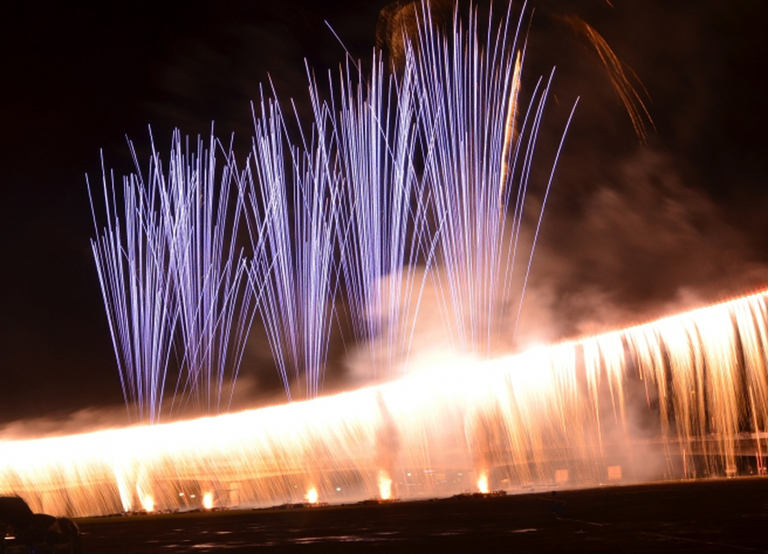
[{"x": 564, "y": 409}]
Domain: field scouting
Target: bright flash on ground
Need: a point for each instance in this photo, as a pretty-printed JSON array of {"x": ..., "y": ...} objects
[
  {"x": 482, "y": 483},
  {"x": 385, "y": 485},
  {"x": 148, "y": 503}
]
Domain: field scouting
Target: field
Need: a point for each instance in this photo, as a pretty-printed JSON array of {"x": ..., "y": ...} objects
[{"x": 701, "y": 516}]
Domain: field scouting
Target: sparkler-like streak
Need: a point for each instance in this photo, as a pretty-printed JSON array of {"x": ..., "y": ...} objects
[
  {"x": 170, "y": 266},
  {"x": 478, "y": 163},
  {"x": 342, "y": 213},
  {"x": 136, "y": 281},
  {"x": 363, "y": 219},
  {"x": 382, "y": 224},
  {"x": 295, "y": 203},
  {"x": 464, "y": 118},
  {"x": 214, "y": 302},
  {"x": 501, "y": 423}
]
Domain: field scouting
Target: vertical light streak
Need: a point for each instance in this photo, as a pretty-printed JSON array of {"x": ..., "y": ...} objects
[
  {"x": 468, "y": 94},
  {"x": 510, "y": 131},
  {"x": 132, "y": 262},
  {"x": 215, "y": 306},
  {"x": 385, "y": 485},
  {"x": 293, "y": 197},
  {"x": 482, "y": 482},
  {"x": 382, "y": 221},
  {"x": 169, "y": 266}
]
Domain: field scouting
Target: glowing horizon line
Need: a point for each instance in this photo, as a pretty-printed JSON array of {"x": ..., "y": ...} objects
[
  {"x": 525, "y": 415},
  {"x": 375, "y": 386}
]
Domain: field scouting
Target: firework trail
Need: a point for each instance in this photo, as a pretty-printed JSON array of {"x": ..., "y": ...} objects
[
  {"x": 294, "y": 199},
  {"x": 170, "y": 270},
  {"x": 617, "y": 74},
  {"x": 394, "y": 175},
  {"x": 215, "y": 304},
  {"x": 478, "y": 163},
  {"x": 511, "y": 422},
  {"x": 134, "y": 272},
  {"x": 346, "y": 212},
  {"x": 382, "y": 225}
]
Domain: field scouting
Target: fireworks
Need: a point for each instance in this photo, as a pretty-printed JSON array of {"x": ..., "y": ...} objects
[
  {"x": 399, "y": 179},
  {"x": 170, "y": 266},
  {"x": 567, "y": 413}
]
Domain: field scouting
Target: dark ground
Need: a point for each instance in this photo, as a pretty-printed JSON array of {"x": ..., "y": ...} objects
[{"x": 704, "y": 516}]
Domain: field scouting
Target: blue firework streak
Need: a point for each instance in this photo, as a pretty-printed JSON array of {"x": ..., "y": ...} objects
[
  {"x": 397, "y": 179},
  {"x": 169, "y": 269},
  {"x": 294, "y": 200}
]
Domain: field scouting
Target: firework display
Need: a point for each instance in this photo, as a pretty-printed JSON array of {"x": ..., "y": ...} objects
[
  {"x": 170, "y": 266},
  {"x": 401, "y": 179},
  {"x": 565, "y": 415}
]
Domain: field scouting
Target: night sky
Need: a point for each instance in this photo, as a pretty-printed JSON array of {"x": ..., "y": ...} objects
[{"x": 632, "y": 230}]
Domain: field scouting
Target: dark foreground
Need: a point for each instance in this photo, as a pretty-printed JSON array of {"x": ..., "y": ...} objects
[{"x": 703, "y": 516}]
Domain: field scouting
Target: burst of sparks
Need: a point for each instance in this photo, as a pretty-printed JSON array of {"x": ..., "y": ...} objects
[{"x": 518, "y": 419}]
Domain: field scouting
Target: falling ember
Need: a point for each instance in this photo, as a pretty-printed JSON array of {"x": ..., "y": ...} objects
[
  {"x": 208, "y": 501},
  {"x": 617, "y": 72},
  {"x": 482, "y": 482},
  {"x": 385, "y": 485},
  {"x": 510, "y": 134},
  {"x": 312, "y": 496}
]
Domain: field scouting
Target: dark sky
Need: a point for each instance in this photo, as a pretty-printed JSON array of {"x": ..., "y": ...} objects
[{"x": 631, "y": 229}]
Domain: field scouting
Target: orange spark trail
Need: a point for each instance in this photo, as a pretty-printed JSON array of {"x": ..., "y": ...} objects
[{"x": 575, "y": 412}]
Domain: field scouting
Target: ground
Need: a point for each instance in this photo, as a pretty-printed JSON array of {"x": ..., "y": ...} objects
[{"x": 702, "y": 516}]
